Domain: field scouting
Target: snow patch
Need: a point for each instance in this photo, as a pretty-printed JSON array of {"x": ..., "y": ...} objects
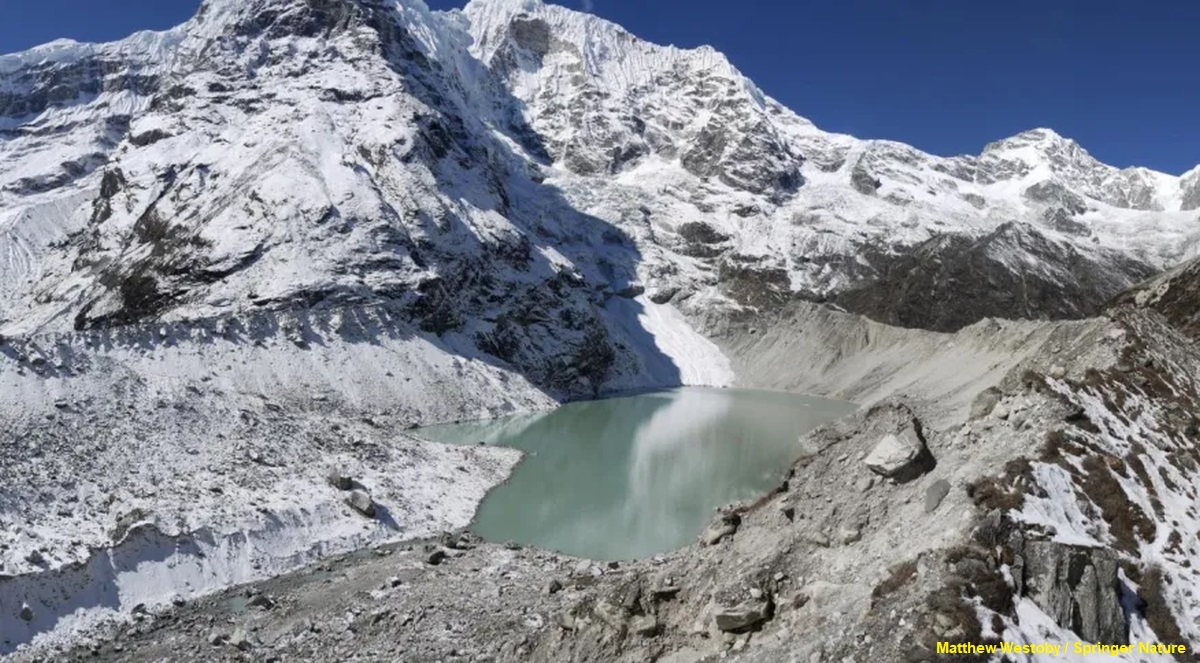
[
  {"x": 691, "y": 359},
  {"x": 1059, "y": 507}
]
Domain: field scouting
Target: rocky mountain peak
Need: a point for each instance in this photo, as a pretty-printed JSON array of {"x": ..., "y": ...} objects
[
  {"x": 510, "y": 6},
  {"x": 278, "y": 18},
  {"x": 1043, "y": 154},
  {"x": 1039, "y": 135},
  {"x": 606, "y": 50},
  {"x": 1041, "y": 146},
  {"x": 1189, "y": 186},
  {"x": 605, "y": 102}
]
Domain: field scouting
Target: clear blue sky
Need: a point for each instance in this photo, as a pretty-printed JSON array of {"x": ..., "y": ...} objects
[{"x": 945, "y": 75}]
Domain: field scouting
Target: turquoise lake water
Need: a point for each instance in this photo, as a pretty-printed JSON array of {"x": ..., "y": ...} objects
[{"x": 635, "y": 476}]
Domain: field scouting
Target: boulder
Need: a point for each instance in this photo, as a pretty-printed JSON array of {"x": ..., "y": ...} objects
[
  {"x": 239, "y": 640},
  {"x": 664, "y": 592},
  {"x": 848, "y": 534},
  {"x": 631, "y": 291},
  {"x": 612, "y": 614},
  {"x": 935, "y": 494},
  {"x": 817, "y": 538},
  {"x": 26, "y": 613},
  {"x": 788, "y": 511},
  {"x": 1078, "y": 587},
  {"x": 340, "y": 479},
  {"x": 452, "y": 541},
  {"x": 725, "y": 524},
  {"x": 984, "y": 402},
  {"x": 901, "y": 455},
  {"x": 361, "y": 502},
  {"x": 646, "y": 625},
  {"x": 742, "y": 616},
  {"x": 567, "y": 621},
  {"x": 663, "y": 295}
]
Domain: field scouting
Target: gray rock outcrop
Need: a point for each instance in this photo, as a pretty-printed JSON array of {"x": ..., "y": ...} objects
[
  {"x": 949, "y": 282},
  {"x": 864, "y": 182},
  {"x": 1190, "y": 190},
  {"x": 1078, "y": 587}
]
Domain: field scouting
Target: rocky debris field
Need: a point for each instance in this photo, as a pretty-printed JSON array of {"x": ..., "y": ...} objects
[
  {"x": 150, "y": 465},
  {"x": 900, "y": 526}
]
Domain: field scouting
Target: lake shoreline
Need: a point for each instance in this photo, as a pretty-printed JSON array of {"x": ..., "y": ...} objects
[{"x": 644, "y": 469}]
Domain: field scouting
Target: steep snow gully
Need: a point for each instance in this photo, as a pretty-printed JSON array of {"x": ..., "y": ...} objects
[{"x": 241, "y": 257}]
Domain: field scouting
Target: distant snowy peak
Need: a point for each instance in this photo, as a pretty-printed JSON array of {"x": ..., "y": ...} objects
[
  {"x": 144, "y": 45},
  {"x": 1045, "y": 154}
]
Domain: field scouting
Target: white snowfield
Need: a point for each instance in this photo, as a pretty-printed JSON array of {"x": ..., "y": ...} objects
[{"x": 244, "y": 251}]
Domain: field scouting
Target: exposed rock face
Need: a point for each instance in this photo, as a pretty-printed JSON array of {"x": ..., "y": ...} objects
[
  {"x": 952, "y": 281},
  {"x": 1078, "y": 587},
  {"x": 1174, "y": 294},
  {"x": 864, "y": 182},
  {"x": 1189, "y": 186},
  {"x": 531, "y": 34},
  {"x": 1054, "y": 193}
]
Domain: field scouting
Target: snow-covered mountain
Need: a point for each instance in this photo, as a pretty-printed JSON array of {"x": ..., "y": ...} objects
[
  {"x": 286, "y": 229},
  {"x": 511, "y": 166}
]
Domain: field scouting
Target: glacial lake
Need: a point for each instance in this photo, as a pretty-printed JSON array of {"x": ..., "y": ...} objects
[{"x": 640, "y": 475}]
